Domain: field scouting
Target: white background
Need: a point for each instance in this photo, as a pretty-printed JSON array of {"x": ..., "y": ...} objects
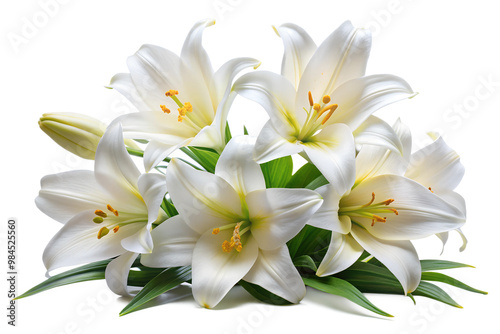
[{"x": 446, "y": 50}]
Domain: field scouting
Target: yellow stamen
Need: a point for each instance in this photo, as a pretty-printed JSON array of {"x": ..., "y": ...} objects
[
  {"x": 226, "y": 246},
  {"x": 235, "y": 243},
  {"x": 371, "y": 201},
  {"x": 188, "y": 106},
  {"x": 326, "y": 99},
  {"x": 388, "y": 201},
  {"x": 379, "y": 219},
  {"x": 182, "y": 111},
  {"x": 110, "y": 208},
  {"x": 97, "y": 220},
  {"x": 430, "y": 189},
  {"x": 179, "y": 118},
  {"x": 116, "y": 228},
  {"x": 316, "y": 106},
  {"x": 311, "y": 101},
  {"x": 216, "y": 230},
  {"x": 394, "y": 210},
  {"x": 165, "y": 109},
  {"x": 102, "y": 232},
  {"x": 328, "y": 107},
  {"x": 100, "y": 213},
  {"x": 171, "y": 92}
]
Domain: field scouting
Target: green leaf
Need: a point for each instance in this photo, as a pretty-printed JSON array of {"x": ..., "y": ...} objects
[
  {"x": 165, "y": 281},
  {"x": 88, "y": 272},
  {"x": 169, "y": 207},
  {"x": 310, "y": 241},
  {"x": 305, "y": 175},
  {"x": 227, "y": 133},
  {"x": 339, "y": 287},
  {"x": 432, "y": 291},
  {"x": 438, "y": 277},
  {"x": 305, "y": 261},
  {"x": 262, "y": 294},
  {"x": 277, "y": 172},
  {"x": 429, "y": 265},
  {"x": 245, "y": 130},
  {"x": 206, "y": 158},
  {"x": 317, "y": 182}
]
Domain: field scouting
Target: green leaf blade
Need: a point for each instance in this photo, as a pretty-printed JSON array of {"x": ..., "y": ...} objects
[{"x": 262, "y": 294}]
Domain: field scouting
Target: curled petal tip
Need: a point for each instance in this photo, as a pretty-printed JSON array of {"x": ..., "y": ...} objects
[
  {"x": 276, "y": 30},
  {"x": 257, "y": 65}
]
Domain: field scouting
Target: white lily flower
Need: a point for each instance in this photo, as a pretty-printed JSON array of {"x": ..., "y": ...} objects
[
  {"x": 105, "y": 213},
  {"x": 321, "y": 99},
  {"x": 438, "y": 167},
  {"x": 181, "y": 100},
  {"x": 231, "y": 227},
  {"x": 381, "y": 214}
]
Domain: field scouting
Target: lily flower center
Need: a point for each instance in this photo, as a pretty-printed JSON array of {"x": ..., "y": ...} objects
[
  {"x": 235, "y": 242},
  {"x": 370, "y": 210},
  {"x": 113, "y": 220},
  {"x": 317, "y": 116},
  {"x": 185, "y": 111}
]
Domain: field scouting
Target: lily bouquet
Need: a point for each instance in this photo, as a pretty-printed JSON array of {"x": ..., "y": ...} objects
[{"x": 235, "y": 210}]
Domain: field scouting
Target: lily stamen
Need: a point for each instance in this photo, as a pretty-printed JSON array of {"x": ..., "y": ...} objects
[{"x": 110, "y": 208}]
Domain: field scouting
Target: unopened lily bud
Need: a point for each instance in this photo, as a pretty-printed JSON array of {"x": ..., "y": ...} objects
[{"x": 77, "y": 133}]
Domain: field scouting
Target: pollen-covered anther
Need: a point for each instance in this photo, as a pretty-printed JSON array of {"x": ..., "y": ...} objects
[
  {"x": 188, "y": 106},
  {"x": 326, "y": 99},
  {"x": 100, "y": 213},
  {"x": 311, "y": 101},
  {"x": 165, "y": 109},
  {"x": 171, "y": 92},
  {"x": 430, "y": 189},
  {"x": 98, "y": 220},
  {"x": 102, "y": 232},
  {"x": 316, "y": 106},
  {"x": 331, "y": 108},
  {"x": 394, "y": 210},
  {"x": 216, "y": 231},
  {"x": 388, "y": 201},
  {"x": 378, "y": 219},
  {"x": 110, "y": 208},
  {"x": 116, "y": 228}
]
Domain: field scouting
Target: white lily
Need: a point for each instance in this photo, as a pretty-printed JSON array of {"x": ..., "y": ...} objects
[
  {"x": 321, "y": 99},
  {"x": 381, "y": 214},
  {"x": 107, "y": 212},
  {"x": 160, "y": 81},
  {"x": 438, "y": 167},
  {"x": 231, "y": 227}
]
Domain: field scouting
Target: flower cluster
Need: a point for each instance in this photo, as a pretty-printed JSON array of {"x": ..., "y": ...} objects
[{"x": 233, "y": 210}]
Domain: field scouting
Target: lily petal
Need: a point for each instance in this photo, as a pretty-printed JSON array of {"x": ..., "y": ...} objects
[
  {"x": 123, "y": 83},
  {"x": 327, "y": 216},
  {"x": 399, "y": 256},
  {"x": 117, "y": 273},
  {"x": 374, "y": 131},
  {"x": 215, "y": 272},
  {"x": 271, "y": 145},
  {"x": 420, "y": 212},
  {"x": 277, "y": 215},
  {"x": 66, "y": 194},
  {"x": 341, "y": 57},
  {"x": 299, "y": 48},
  {"x": 275, "y": 272},
  {"x": 237, "y": 167},
  {"x": 436, "y": 166},
  {"x": 359, "y": 98},
  {"x": 342, "y": 252},
  {"x": 153, "y": 188},
  {"x": 157, "y": 151},
  {"x": 174, "y": 243},
  {"x": 204, "y": 200},
  {"x": 77, "y": 243},
  {"x": 332, "y": 151}
]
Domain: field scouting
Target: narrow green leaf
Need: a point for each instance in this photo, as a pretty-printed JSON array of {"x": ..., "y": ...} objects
[
  {"x": 88, "y": 272},
  {"x": 429, "y": 265},
  {"x": 228, "y": 133},
  {"x": 305, "y": 261},
  {"x": 245, "y": 131},
  {"x": 317, "y": 182},
  {"x": 204, "y": 157},
  {"x": 169, "y": 207},
  {"x": 277, "y": 172},
  {"x": 135, "y": 152},
  {"x": 262, "y": 294},
  {"x": 432, "y": 291},
  {"x": 305, "y": 175},
  {"x": 165, "y": 281},
  {"x": 142, "y": 141},
  {"x": 310, "y": 241},
  {"x": 339, "y": 287},
  {"x": 438, "y": 277}
]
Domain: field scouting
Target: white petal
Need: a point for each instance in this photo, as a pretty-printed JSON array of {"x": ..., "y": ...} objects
[
  {"x": 66, "y": 194},
  {"x": 454, "y": 199},
  {"x": 211, "y": 136},
  {"x": 271, "y": 145},
  {"x": 359, "y": 98},
  {"x": 204, "y": 200},
  {"x": 173, "y": 243},
  {"x": 77, "y": 243},
  {"x": 122, "y": 82},
  {"x": 193, "y": 53},
  {"x": 215, "y": 272},
  {"x": 333, "y": 151},
  {"x": 400, "y": 257},
  {"x": 153, "y": 188},
  {"x": 139, "y": 242},
  {"x": 115, "y": 171},
  {"x": 373, "y": 160},
  {"x": 374, "y": 131},
  {"x": 342, "y": 252},
  {"x": 275, "y": 272},
  {"x": 421, "y": 213},
  {"x": 436, "y": 166},
  {"x": 277, "y": 215},
  {"x": 327, "y": 216},
  {"x": 237, "y": 167},
  {"x": 341, "y": 57},
  {"x": 117, "y": 273},
  {"x": 157, "y": 151},
  {"x": 299, "y": 48},
  {"x": 276, "y": 95},
  {"x": 154, "y": 71}
]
